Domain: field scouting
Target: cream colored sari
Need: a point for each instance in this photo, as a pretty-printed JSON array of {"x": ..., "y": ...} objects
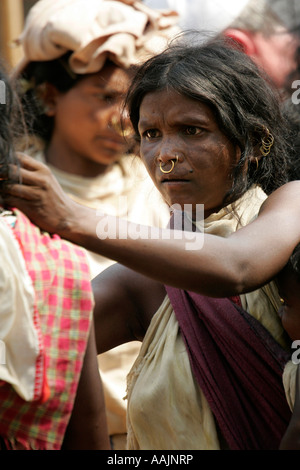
[{"x": 166, "y": 408}]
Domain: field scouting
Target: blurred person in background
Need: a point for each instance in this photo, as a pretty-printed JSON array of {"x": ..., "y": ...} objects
[
  {"x": 50, "y": 389},
  {"x": 267, "y": 30},
  {"x": 209, "y": 373},
  {"x": 71, "y": 82}
]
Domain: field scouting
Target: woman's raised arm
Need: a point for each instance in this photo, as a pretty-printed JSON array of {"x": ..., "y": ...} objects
[{"x": 207, "y": 264}]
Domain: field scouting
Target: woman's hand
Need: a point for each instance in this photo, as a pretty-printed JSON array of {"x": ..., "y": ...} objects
[
  {"x": 36, "y": 192},
  {"x": 218, "y": 267}
]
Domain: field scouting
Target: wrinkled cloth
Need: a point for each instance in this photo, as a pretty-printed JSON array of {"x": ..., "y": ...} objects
[
  {"x": 289, "y": 382},
  {"x": 23, "y": 365},
  {"x": 263, "y": 304},
  {"x": 63, "y": 309},
  {"x": 238, "y": 366},
  {"x": 125, "y": 32},
  {"x": 128, "y": 192},
  {"x": 166, "y": 407}
]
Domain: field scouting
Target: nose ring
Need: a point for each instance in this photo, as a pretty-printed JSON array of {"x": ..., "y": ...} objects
[{"x": 173, "y": 163}]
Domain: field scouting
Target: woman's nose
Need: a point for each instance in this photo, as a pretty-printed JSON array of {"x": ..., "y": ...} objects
[{"x": 167, "y": 154}]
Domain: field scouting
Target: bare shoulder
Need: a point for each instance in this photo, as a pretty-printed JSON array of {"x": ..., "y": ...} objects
[{"x": 287, "y": 197}]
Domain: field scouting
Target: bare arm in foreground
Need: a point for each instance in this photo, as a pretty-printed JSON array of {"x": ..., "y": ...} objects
[
  {"x": 87, "y": 428},
  {"x": 222, "y": 266}
]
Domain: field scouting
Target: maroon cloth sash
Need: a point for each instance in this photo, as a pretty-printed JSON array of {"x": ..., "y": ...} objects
[{"x": 238, "y": 366}]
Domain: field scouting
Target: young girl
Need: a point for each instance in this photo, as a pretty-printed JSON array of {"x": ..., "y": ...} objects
[{"x": 50, "y": 390}]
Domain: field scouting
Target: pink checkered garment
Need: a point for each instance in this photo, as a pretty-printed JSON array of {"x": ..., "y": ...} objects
[{"x": 63, "y": 314}]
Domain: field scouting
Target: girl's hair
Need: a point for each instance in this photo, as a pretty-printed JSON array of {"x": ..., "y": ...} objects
[
  {"x": 244, "y": 105},
  {"x": 56, "y": 72}
]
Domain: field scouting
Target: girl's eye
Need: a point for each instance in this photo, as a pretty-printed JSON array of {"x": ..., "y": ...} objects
[
  {"x": 105, "y": 98},
  {"x": 151, "y": 134},
  {"x": 192, "y": 130}
]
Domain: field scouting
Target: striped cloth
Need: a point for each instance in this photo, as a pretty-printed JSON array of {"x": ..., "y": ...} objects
[{"x": 63, "y": 313}]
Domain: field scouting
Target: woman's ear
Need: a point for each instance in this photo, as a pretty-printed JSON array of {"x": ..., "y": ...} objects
[
  {"x": 243, "y": 40},
  {"x": 47, "y": 94}
]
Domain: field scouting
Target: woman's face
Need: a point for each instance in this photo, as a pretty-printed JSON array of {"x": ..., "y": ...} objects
[
  {"x": 84, "y": 121},
  {"x": 171, "y": 124}
]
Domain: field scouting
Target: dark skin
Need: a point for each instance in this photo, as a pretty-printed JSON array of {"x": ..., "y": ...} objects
[
  {"x": 221, "y": 267},
  {"x": 91, "y": 105},
  {"x": 132, "y": 301},
  {"x": 289, "y": 284},
  {"x": 170, "y": 125},
  {"x": 289, "y": 288},
  {"x": 291, "y": 438},
  {"x": 87, "y": 428},
  {"x": 132, "y": 290}
]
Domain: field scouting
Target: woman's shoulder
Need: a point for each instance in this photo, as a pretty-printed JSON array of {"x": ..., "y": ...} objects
[
  {"x": 290, "y": 187},
  {"x": 286, "y": 197}
]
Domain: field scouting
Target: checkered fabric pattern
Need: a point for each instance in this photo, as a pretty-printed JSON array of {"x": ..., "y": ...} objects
[{"x": 64, "y": 305}]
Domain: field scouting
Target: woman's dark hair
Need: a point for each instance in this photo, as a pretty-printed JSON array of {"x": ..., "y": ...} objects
[
  {"x": 11, "y": 125},
  {"x": 292, "y": 113},
  {"x": 224, "y": 78}
]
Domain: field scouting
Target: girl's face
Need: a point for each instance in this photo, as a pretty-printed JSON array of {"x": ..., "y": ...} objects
[
  {"x": 85, "y": 121},
  {"x": 171, "y": 124},
  {"x": 289, "y": 291}
]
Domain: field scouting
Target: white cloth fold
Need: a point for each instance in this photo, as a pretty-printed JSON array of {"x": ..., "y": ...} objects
[
  {"x": 18, "y": 331},
  {"x": 289, "y": 383},
  {"x": 95, "y": 30},
  {"x": 166, "y": 407}
]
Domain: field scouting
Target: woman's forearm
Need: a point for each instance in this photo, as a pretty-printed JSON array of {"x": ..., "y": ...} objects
[
  {"x": 202, "y": 263},
  {"x": 207, "y": 264}
]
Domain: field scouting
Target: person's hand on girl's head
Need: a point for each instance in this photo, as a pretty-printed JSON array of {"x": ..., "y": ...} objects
[{"x": 34, "y": 190}]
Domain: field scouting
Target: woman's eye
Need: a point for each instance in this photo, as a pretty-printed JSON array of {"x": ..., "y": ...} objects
[
  {"x": 151, "y": 134},
  {"x": 192, "y": 130}
]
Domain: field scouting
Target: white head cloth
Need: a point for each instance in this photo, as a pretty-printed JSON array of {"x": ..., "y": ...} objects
[{"x": 124, "y": 31}]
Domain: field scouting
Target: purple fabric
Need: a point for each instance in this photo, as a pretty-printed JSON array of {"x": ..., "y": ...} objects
[{"x": 238, "y": 366}]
